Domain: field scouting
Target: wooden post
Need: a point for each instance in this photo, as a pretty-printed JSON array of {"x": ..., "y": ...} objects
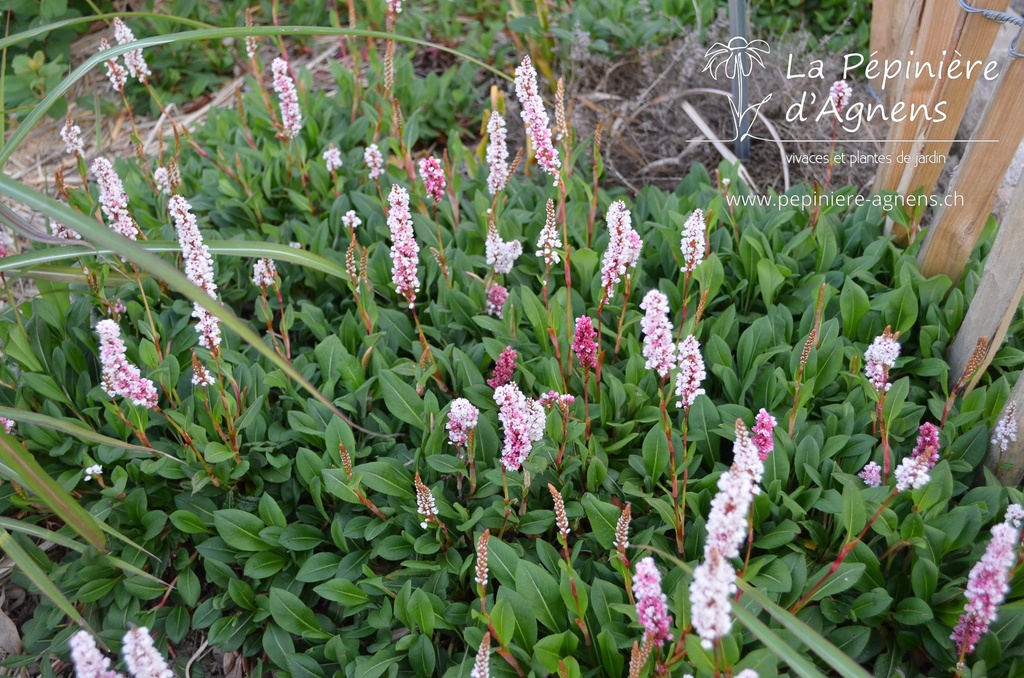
[
  {"x": 951, "y": 238},
  {"x": 1009, "y": 465},
  {"x": 893, "y": 27},
  {"x": 998, "y": 296},
  {"x": 945, "y": 27}
]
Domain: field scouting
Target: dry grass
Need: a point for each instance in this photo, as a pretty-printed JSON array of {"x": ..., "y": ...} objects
[{"x": 650, "y": 138}]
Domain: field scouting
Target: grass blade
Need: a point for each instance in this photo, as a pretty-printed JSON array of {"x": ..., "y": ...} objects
[
  {"x": 21, "y": 133},
  {"x": 814, "y": 641},
  {"x": 36, "y": 31},
  {"x": 777, "y": 645},
  {"x": 239, "y": 248},
  {"x": 65, "y": 426},
  {"x": 68, "y": 275},
  {"x": 69, "y": 543},
  {"x": 150, "y": 262},
  {"x": 36, "y": 575},
  {"x": 14, "y": 455}
]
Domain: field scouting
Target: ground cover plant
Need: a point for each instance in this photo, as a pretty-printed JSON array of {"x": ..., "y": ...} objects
[{"x": 366, "y": 384}]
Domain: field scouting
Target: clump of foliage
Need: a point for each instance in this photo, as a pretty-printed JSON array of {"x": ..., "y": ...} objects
[{"x": 295, "y": 497}]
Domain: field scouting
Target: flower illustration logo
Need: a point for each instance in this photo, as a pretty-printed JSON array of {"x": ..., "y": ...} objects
[
  {"x": 738, "y": 56},
  {"x": 736, "y": 61}
]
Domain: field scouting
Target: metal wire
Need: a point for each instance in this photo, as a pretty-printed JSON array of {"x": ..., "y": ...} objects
[{"x": 1000, "y": 17}]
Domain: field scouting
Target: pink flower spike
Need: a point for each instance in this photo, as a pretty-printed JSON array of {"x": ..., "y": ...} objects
[
  {"x": 288, "y": 99},
  {"x": 504, "y": 368},
  {"x": 764, "y": 428},
  {"x": 134, "y": 60},
  {"x": 120, "y": 377},
  {"x": 871, "y": 474},
  {"x": 116, "y": 73},
  {"x": 1014, "y": 515},
  {"x": 62, "y": 231},
  {"x": 624, "y": 246},
  {"x": 840, "y": 92},
  {"x": 549, "y": 242},
  {"x": 113, "y": 200},
  {"x": 497, "y": 153},
  {"x": 374, "y": 160},
  {"x": 433, "y": 178},
  {"x": 332, "y": 159},
  {"x": 162, "y": 179},
  {"x": 536, "y": 118},
  {"x": 198, "y": 268},
  {"x": 462, "y": 418},
  {"x": 496, "y": 298},
  {"x": 912, "y": 473},
  {"x": 987, "y": 585},
  {"x": 351, "y": 220},
  {"x": 500, "y": 254},
  {"x": 264, "y": 273},
  {"x": 928, "y": 443},
  {"x": 880, "y": 357},
  {"x": 8, "y": 424},
  {"x": 88, "y": 660},
  {"x": 1005, "y": 429},
  {"x": 915, "y": 470},
  {"x": 651, "y": 602},
  {"x": 554, "y": 398},
  {"x": 70, "y": 133},
  {"x": 404, "y": 250},
  {"x": 141, "y": 657},
  {"x": 691, "y": 372},
  {"x": 659, "y": 348},
  {"x": 713, "y": 585},
  {"x": 522, "y": 421},
  {"x": 584, "y": 343},
  {"x": 693, "y": 241}
]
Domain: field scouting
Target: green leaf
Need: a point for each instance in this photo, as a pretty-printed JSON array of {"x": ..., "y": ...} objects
[
  {"x": 901, "y": 309},
  {"x": 913, "y": 611},
  {"x": 401, "y": 399},
  {"x": 854, "y": 511},
  {"x": 853, "y": 304},
  {"x": 264, "y": 564},
  {"x": 655, "y": 453},
  {"x": 845, "y": 577},
  {"x": 387, "y": 476},
  {"x": 503, "y": 618},
  {"x": 550, "y": 649},
  {"x": 769, "y": 280},
  {"x": 422, "y": 611},
  {"x": 295, "y": 616},
  {"x": 503, "y": 561},
  {"x": 342, "y": 591},
  {"x": 603, "y": 518},
  {"x": 240, "y": 529},
  {"x": 541, "y": 591}
]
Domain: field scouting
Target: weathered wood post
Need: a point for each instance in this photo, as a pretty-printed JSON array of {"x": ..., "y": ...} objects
[
  {"x": 952, "y": 237},
  {"x": 999, "y": 292},
  {"x": 945, "y": 28},
  {"x": 893, "y": 29}
]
